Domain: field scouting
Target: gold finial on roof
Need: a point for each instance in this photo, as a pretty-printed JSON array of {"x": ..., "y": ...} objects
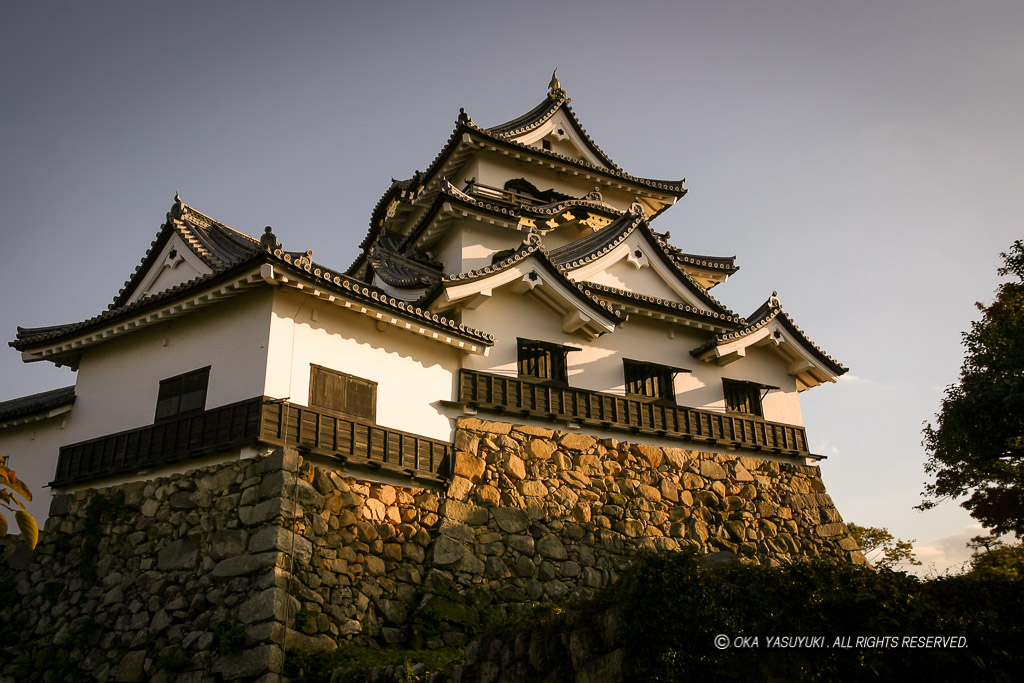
[{"x": 555, "y": 87}]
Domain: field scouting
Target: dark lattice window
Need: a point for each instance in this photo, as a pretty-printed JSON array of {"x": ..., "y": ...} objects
[
  {"x": 743, "y": 397},
  {"x": 183, "y": 395},
  {"x": 649, "y": 379},
  {"x": 341, "y": 392},
  {"x": 544, "y": 360}
]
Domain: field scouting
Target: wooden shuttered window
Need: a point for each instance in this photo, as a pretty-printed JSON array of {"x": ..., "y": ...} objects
[
  {"x": 342, "y": 392},
  {"x": 183, "y": 395},
  {"x": 650, "y": 380},
  {"x": 543, "y": 360},
  {"x": 743, "y": 397}
]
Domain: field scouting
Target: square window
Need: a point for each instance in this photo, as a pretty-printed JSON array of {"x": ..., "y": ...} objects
[
  {"x": 182, "y": 395},
  {"x": 743, "y": 397},
  {"x": 650, "y": 380},
  {"x": 543, "y": 360},
  {"x": 342, "y": 392}
]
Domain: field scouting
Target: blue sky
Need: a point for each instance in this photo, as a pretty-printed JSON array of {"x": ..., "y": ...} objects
[{"x": 864, "y": 159}]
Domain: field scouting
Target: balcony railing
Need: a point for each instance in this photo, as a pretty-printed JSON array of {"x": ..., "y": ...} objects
[
  {"x": 255, "y": 421},
  {"x": 355, "y": 440},
  {"x": 511, "y": 395}
]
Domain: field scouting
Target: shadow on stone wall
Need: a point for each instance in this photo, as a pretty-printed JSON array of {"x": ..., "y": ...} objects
[{"x": 217, "y": 573}]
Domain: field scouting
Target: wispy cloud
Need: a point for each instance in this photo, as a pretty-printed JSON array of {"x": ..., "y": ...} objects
[
  {"x": 826, "y": 448},
  {"x": 947, "y": 554},
  {"x": 855, "y": 379}
]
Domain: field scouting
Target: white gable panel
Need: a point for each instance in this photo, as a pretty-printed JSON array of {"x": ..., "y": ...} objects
[
  {"x": 653, "y": 276},
  {"x": 176, "y": 264},
  {"x": 643, "y": 280},
  {"x": 562, "y": 136}
]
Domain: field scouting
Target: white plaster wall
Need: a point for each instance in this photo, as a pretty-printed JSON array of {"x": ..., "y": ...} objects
[
  {"x": 412, "y": 372},
  {"x": 480, "y": 242},
  {"x": 32, "y": 453},
  {"x": 117, "y": 382},
  {"x": 624, "y": 275},
  {"x": 598, "y": 366}
]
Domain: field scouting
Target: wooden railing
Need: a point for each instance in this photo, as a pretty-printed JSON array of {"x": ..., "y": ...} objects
[
  {"x": 489, "y": 193},
  {"x": 169, "y": 441},
  {"x": 255, "y": 421},
  {"x": 355, "y": 440},
  {"x": 512, "y": 395}
]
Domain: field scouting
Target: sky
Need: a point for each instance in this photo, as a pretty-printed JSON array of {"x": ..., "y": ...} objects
[{"x": 864, "y": 159}]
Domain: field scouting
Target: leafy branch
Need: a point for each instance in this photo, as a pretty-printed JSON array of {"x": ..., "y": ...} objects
[{"x": 10, "y": 489}]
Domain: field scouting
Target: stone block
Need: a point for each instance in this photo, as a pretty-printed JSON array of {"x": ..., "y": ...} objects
[
  {"x": 513, "y": 466},
  {"x": 243, "y": 565},
  {"x": 286, "y": 459},
  {"x": 226, "y": 543},
  {"x": 509, "y": 520},
  {"x": 712, "y": 470},
  {"x": 577, "y": 442},
  {"x": 459, "y": 488},
  {"x": 266, "y": 511},
  {"x": 251, "y": 664},
  {"x": 131, "y": 668},
  {"x": 270, "y": 604},
  {"x": 470, "y": 466},
  {"x": 648, "y": 454},
  {"x": 534, "y": 431},
  {"x": 283, "y": 540},
  {"x": 532, "y": 487},
  {"x": 540, "y": 449},
  {"x": 493, "y": 427},
  {"x": 451, "y": 554},
  {"x": 180, "y": 554},
  {"x": 462, "y": 512},
  {"x": 551, "y": 547},
  {"x": 829, "y": 530}
]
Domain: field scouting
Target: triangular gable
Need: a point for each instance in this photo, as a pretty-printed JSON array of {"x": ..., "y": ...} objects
[
  {"x": 563, "y": 136},
  {"x": 189, "y": 245},
  {"x": 607, "y": 256},
  {"x": 770, "y": 327},
  {"x": 174, "y": 264},
  {"x": 554, "y": 122},
  {"x": 528, "y": 271}
]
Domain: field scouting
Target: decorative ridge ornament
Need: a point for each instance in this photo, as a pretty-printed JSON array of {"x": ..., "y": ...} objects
[
  {"x": 555, "y": 87},
  {"x": 268, "y": 240}
]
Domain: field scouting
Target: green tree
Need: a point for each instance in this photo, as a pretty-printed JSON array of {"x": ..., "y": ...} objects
[
  {"x": 992, "y": 557},
  {"x": 882, "y": 549},
  {"x": 976, "y": 448}
]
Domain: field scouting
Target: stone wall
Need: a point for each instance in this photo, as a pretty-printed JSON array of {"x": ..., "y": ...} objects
[
  {"x": 152, "y": 580},
  {"x": 215, "y": 574}
]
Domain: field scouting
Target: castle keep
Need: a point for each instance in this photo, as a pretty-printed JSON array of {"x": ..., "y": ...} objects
[{"x": 517, "y": 385}]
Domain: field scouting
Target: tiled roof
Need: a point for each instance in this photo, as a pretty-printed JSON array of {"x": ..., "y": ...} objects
[
  {"x": 214, "y": 243},
  {"x": 669, "y": 186},
  {"x": 604, "y": 290},
  {"x": 36, "y": 403},
  {"x": 531, "y": 247},
  {"x": 725, "y": 264},
  {"x": 768, "y": 311},
  {"x": 28, "y": 337},
  {"x": 374, "y": 295},
  {"x": 542, "y": 112},
  {"x": 599, "y": 243},
  {"x": 247, "y": 259},
  {"x": 401, "y": 271}
]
